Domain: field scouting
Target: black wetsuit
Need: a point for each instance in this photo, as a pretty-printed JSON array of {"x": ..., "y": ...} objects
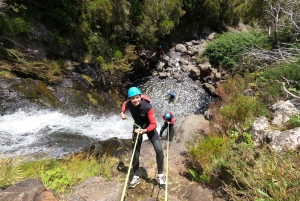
[{"x": 140, "y": 116}]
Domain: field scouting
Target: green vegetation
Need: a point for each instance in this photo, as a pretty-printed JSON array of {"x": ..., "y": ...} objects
[
  {"x": 205, "y": 156},
  {"x": 6, "y": 74},
  {"x": 58, "y": 175},
  {"x": 227, "y": 48},
  {"x": 261, "y": 174},
  {"x": 247, "y": 171},
  {"x": 112, "y": 32}
]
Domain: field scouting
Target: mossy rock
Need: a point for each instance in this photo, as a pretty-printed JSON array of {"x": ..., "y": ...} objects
[{"x": 36, "y": 90}]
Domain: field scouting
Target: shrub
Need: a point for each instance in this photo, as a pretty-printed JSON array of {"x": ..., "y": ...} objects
[
  {"x": 290, "y": 71},
  {"x": 240, "y": 113},
  {"x": 201, "y": 59},
  {"x": 259, "y": 174},
  {"x": 293, "y": 122},
  {"x": 226, "y": 48},
  {"x": 204, "y": 157}
]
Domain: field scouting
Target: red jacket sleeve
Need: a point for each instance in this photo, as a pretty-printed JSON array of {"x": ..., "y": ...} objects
[
  {"x": 124, "y": 107},
  {"x": 172, "y": 120},
  {"x": 164, "y": 117},
  {"x": 152, "y": 120}
]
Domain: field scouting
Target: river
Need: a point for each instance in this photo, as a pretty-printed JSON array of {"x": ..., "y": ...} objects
[{"x": 57, "y": 134}]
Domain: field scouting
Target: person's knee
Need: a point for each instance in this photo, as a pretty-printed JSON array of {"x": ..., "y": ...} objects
[{"x": 159, "y": 150}]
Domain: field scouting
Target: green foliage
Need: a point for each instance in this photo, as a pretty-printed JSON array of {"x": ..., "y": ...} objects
[
  {"x": 57, "y": 37},
  {"x": 6, "y": 74},
  {"x": 57, "y": 178},
  {"x": 226, "y": 48},
  {"x": 101, "y": 10},
  {"x": 57, "y": 175},
  {"x": 293, "y": 122},
  {"x": 100, "y": 59},
  {"x": 96, "y": 44},
  {"x": 241, "y": 112},
  {"x": 205, "y": 155},
  {"x": 10, "y": 170},
  {"x": 155, "y": 19},
  {"x": 245, "y": 137},
  {"x": 270, "y": 80},
  {"x": 213, "y": 13},
  {"x": 118, "y": 54},
  {"x": 201, "y": 59},
  {"x": 290, "y": 71},
  {"x": 13, "y": 26},
  {"x": 258, "y": 174},
  {"x": 249, "y": 12}
]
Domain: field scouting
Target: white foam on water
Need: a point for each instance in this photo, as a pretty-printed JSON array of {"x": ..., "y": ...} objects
[{"x": 21, "y": 129}]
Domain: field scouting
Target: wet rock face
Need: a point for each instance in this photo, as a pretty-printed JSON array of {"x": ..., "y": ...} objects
[
  {"x": 83, "y": 90},
  {"x": 16, "y": 93}
]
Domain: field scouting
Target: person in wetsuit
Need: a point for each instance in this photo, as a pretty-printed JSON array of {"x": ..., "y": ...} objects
[
  {"x": 169, "y": 122},
  {"x": 172, "y": 97},
  {"x": 143, "y": 114},
  {"x": 160, "y": 52}
]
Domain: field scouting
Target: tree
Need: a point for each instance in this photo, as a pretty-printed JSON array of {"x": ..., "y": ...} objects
[
  {"x": 282, "y": 20},
  {"x": 209, "y": 13},
  {"x": 156, "y": 19}
]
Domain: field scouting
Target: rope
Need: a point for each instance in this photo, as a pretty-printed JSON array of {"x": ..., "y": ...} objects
[
  {"x": 133, "y": 122},
  {"x": 167, "y": 168},
  {"x": 134, "y": 148}
]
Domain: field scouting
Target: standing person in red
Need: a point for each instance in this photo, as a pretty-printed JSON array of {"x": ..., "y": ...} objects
[
  {"x": 159, "y": 52},
  {"x": 169, "y": 122},
  {"x": 143, "y": 114}
]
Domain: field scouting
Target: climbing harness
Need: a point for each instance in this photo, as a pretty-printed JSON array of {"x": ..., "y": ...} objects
[
  {"x": 134, "y": 148},
  {"x": 167, "y": 168}
]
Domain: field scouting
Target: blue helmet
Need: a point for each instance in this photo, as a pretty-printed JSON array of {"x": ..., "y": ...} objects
[
  {"x": 168, "y": 116},
  {"x": 172, "y": 95},
  {"x": 159, "y": 46},
  {"x": 133, "y": 91}
]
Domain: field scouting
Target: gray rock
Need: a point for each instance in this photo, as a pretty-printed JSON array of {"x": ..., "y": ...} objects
[
  {"x": 258, "y": 130},
  {"x": 180, "y": 48},
  {"x": 96, "y": 189},
  {"x": 283, "y": 110}
]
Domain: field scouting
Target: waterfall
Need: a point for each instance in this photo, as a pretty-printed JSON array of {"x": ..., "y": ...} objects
[{"x": 57, "y": 134}]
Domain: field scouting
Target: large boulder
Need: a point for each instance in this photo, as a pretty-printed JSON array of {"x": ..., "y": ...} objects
[
  {"x": 31, "y": 189},
  {"x": 96, "y": 188},
  {"x": 180, "y": 48},
  {"x": 187, "y": 127},
  {"x": 283, "y": 110}
]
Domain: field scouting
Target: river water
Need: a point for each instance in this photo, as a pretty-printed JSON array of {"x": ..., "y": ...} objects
[{"x": 57, "y": 134}]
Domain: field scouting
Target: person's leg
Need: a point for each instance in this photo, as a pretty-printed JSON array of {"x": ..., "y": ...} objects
[
  {"x": 162, "y": 129},
  {"x": 170, "y": 137},
  {"x": 136, "y": 159},
  {"x": 154, "y": 139}
]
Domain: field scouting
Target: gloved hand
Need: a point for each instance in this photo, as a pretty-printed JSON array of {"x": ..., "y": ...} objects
[
  {"x": 140, "y": 131},
  {"x": 123, "y": 116}
]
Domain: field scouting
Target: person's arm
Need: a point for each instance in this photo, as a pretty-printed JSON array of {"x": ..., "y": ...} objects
[
  {"x": 152, "y": 120},
  {"x": 172, "y": 120},
  {"x": 123, "y": 109}
]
